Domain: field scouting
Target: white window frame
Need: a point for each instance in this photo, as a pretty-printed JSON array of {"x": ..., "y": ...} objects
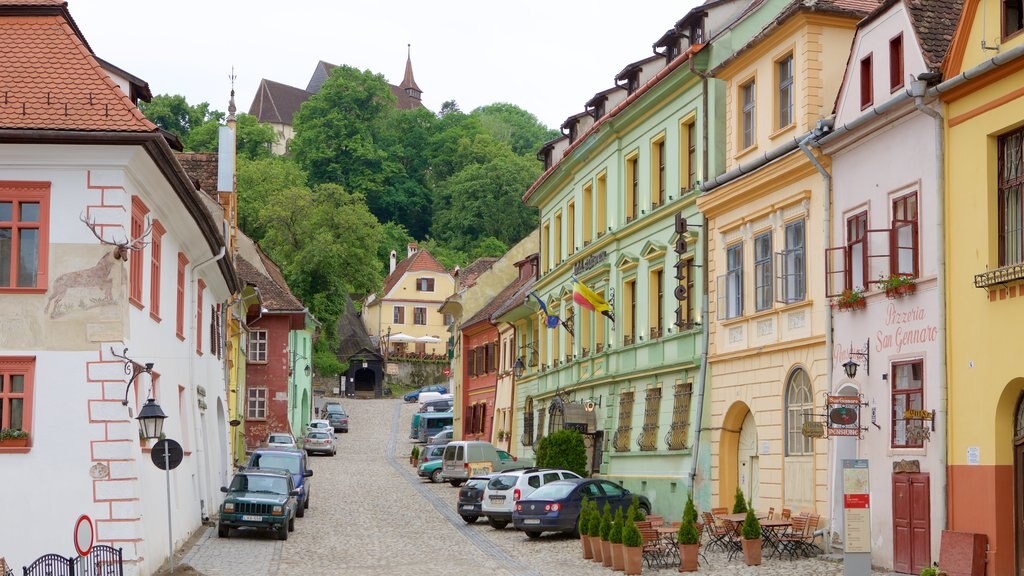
[
  {"x": 256, "y": 403},
  {"x": 256, "y": 339}
]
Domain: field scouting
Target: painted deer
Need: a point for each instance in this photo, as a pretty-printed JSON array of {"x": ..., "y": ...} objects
[{"x": 97, "y": 277}]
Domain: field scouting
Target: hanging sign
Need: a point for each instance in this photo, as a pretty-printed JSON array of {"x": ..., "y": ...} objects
[{"x": 843, "y": 414}]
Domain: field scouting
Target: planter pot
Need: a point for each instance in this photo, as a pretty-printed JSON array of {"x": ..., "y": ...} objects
[
  {"x": 752, "y": 552},
  {"x": 14, "y": 443},
  {"x": 588, "y": 552},
  {"x": 899, "y": 291},
  {"x": 618, "y": 558},
  {"x": 595, "y": 548},
  {"x": 688, "y": 557},
  {"x": 606, "y": 553},
  {"x": 854, "y": 305},
  {"x": 634, "y": 556}
]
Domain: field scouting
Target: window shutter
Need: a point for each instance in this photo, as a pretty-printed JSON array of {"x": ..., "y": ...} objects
[
  {"x": 835, "y": 271},
  {"x": 471, "y": 359},
  {"x": 722, "y": 283}
]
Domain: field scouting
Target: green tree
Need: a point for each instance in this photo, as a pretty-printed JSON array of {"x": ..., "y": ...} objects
[
  {"x": 615, "y": 535},
  {"x": 446, "y": 255},
  {"x": 174, "y": 114},
  {"x": 518, "y": 128},
  {"x": 489, "y": 246},
  {"x": 739, "y": 503},
  {"x": 606, "y": 522},
  {"x": 393, "y": 237},
  {"x": 253, "y": 138},
  {"x": 563, "y": 449},
  {"x": 258, "y": 180}
]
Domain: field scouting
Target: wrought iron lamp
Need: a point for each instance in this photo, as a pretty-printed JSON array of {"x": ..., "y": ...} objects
[
  {"x": 850, "y": 367},
  {"x": 151, "y": 417}
]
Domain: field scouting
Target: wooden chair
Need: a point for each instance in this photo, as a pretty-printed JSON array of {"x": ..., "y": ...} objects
[
  {"x": 717, "y": 534},
  {"x": 734, "y": 540},
  {"x": 792, "y": 540},
  {"x": 787, "y": 513},
  {"x": 771, "y": 513},
  {"x": 719, "y": 511},
  {"x": 809, "y": 546},
  {"x": 656, "y": 519},
  {"x": 654, "y": 548}
]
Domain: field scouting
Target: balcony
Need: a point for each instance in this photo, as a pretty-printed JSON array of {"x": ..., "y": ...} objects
[{"x": 1004, "y": 275}]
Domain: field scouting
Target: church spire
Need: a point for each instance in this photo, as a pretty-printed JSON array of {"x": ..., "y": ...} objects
[{"x": 408, "y": 82}]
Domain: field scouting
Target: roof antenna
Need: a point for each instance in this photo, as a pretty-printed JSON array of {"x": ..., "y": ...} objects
[{"x": 231, "y": 103}]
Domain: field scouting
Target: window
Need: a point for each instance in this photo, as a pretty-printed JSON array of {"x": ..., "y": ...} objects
[
  {"x": 17, "y": 378},
  {"x": 656, "y": 302},
  {"x": 200, "y": 286},
  {"x": 471, "y": 362},
  {"x": 633, "y": 187},
  {"x": 622, "y": 431},
  {"x": 180, "y": 300},
  {"x": 691, "y": 155},
  {"x": 488, "y": 358},
  {"x": 545, "y": 247},
  {"x": 686, "y": 309},
  {"x": 747, "y": 111},
  {"x": 183, "y": 411},
  {"x": 214, "y": 330},
  {"x": 649, "y": 435},
  {"x": 629, "y": 305},
  {"x": 1011, "y": 199},
  {"x": 658, "y": 173},
  {"x": 799, "y": 409},
  {"x": 141, "y": 395},
  {"x": 784, "y": 71},
  {"x": 602, "y": 204},
  {"x": 154, "y": 270},
  {"x": 896, "y": 63},
  {"x": 907, "y": 394},
  {"x": 258, "y": 346},
  {"x": 24, "y": 235},
  {"x": 570, "y": 225},
  {"x": 139, "y": 212},
  {"x": 730, "y": 286},
  {"x": 256, "y": 406},
  {"x": 866, "y": 85},
  {"x": 793, "y": 279},
  {"x": 904, "y": 235},
  {"x": 448, "y": 319},
  {"x": 419, "y": 316},
  {"x": 398, "y": 315},
  {"x": 857, "y": 251},
  {"x": 424, "y": 284},
  {"x": 556, "y": 239},
  {"x": 1013, "y": 17},
  {"x": 421, "y": 348},
  {"x": 588, "y": 216},
  {"x": 680, "y": 416},
  {"x": 763, "y": 271},
  {"x": 527, "y": 439}
]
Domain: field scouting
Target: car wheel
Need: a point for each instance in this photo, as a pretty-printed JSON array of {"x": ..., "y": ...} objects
[
  {"x": 223, "y": 531},
  {"x": 282, "y": 532},
  {"x": 300, "y": 511},
  {"x": 533, "y": 534},
  {"x": 497, "y": 524},
  {"x": 435, "y": 476},
  {"x": 470, "y": 519},
  {"x": 291, "y": 524},
  {"x": 456, "y": 483},
  {"x": 306, "y": 505},
  {"x": 334, "y": 453},
  {"x": 646, "y": 510}
]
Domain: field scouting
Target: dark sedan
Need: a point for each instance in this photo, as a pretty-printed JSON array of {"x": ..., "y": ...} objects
[
  {"x": 470, "y": 496},
  {"x": 555, "y": 507}
]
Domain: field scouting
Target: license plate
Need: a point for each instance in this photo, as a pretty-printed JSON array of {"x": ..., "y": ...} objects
[
  {"x": 252, "y": 518},
  {"x": 497, "y": 499},
  {"x": 467, "y": 507},
  {"x": 531, "y": 521}
]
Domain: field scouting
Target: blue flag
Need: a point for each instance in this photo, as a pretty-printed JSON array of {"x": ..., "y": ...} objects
[{"x": 549, "y": 320}]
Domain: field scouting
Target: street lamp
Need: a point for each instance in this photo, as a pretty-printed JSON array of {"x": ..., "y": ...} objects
[
  {"x": 151, "y": 420},
  {"x": 850, "y": 367}
]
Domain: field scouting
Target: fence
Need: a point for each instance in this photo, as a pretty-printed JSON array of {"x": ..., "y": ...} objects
[{"x": 102, "y": 561}]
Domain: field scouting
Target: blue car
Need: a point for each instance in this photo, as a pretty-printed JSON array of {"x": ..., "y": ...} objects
[
  {"x": 292, "y": 460},
  {"x": 415, "y": 394},
  {"x": 555, "y": 507}
]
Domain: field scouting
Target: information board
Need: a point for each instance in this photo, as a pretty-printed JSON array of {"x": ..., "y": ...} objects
[{"x": 856, "y": 506}]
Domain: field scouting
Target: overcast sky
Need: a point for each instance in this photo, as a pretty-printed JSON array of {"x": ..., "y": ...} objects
[{"x": 548, "y": 57}]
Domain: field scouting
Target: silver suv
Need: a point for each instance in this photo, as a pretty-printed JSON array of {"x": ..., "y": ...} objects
[{"x": 503, "y": 490}]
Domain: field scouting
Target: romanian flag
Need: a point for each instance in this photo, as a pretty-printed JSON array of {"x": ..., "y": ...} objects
[
  {"x": 549, "y": 320},
  {"x": 590, "y": 300}
]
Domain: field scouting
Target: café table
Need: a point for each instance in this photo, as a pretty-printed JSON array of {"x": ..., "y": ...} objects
[
  {"x": 738, "y": 518},
  {"x": 771, "y": 530}
]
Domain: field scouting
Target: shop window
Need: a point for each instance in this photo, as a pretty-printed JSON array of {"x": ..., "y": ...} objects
[
  {"x": 799, "y": 409},
  {"x": 907, "y": 394}
]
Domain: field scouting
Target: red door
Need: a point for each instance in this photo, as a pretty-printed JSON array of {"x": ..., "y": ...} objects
[{"x": 911, "y": 507}]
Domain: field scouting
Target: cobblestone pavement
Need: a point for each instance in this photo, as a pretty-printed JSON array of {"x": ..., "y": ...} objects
[{"x": 371, "y": 515}]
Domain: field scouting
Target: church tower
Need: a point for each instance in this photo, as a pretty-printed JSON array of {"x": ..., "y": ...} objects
[{"x": 408, "y": 82}]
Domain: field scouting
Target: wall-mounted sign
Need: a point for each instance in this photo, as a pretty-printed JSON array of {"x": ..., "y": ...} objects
[
  {"x": 589, "y": 262},
  {"x": 392, "y": 369},
  {"x": 973, "y": 455},
  {"x": 919, "y": 415},
  {"x": 843, "y": 413},
  {"x": 813, "y": 430}
]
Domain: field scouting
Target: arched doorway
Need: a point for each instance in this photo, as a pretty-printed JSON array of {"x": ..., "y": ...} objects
[
  {"x": 845, "y": 449},
  {"x": 365, "y": 381},
  {"x": 1018, "y": 483},
  {"x": 747, "y": 463},
  {"x": 737, "y": 424},
  {"x": 223, "y": 463},
  {"x": 304, "y": 415}
]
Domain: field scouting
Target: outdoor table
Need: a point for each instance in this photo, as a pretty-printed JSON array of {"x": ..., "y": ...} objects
[
  {"x": 740, "y": 517},
  {"x": 770, "y": 532},
  {"x": 668, "y": 536}
]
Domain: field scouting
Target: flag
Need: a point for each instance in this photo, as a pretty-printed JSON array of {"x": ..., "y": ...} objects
[
  {"x": 549, "y": 320},
  {"x": 590, "y": 300}
]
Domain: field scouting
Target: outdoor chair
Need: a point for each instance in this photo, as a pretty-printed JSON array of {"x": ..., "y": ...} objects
[
  {"x": 656, "y": 519},
  {"x": 719, "y": 511},
  {"x": 717, "y": 535},
  {"x": 792, "y": 541},
  {"x": 771, "y": 513},
  {"x": 654, "y": 548},
  {"x": 787, "y": 513},
  {"x": 734, "y": 541}
]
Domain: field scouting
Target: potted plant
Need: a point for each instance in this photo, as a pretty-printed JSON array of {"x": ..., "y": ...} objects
[
  {"x": 615, "y": 538},
  {"x": 501, "y": 435},
  {"x": 637, "y": 513},
  {"x": 688, "y": 538},
  {"x": 850, "y": 299},
  {"x": 606, "y": 532},
  {"x": 584, "y": 529},
  {"x": 897, "y": 285},
  {"x": 595, "y": 532},
  {"x": 751, "y": 533},
  {"x": 13, "y": 438},
  {"x": 414, "y": 457},
  {"x": 632, "y": 544},
  {"x": 739, "y": 503}
]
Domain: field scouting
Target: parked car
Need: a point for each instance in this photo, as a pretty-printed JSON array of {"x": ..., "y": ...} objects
[
  {"x": 415, "y": 394},
  {"x": 320, "y": 443},
  {"x": 555, "y": 507},
  {"x": 431, "y": 470},
  {"x": 463, "y": 457},
  {"x": 333, "y": 405},
  {"x": 431, "y": 453},
  {"x": 414, "y": 429},
  {"x": 320, "y": 426},
  {"x": 426, "y": 397},
  {"x": 279, "y": 440},
  {"x": 338, "y": 420},
  {"x": 443, "y": 405},
  {"x": 260, "y": 499},
  {"x": 290, "y": 459},
  {"x": 505, "y": 489},
  {"x": 470, "y": 496},
  {"x": 432, "y": 423},
  {"x": 441, "y": 438}
]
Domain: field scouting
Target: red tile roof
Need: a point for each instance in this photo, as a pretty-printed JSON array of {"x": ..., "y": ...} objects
[
  {"x": 421, "y": 261},
  {"x": 484, "y": 314},
  {"x": 201, "y": 167},
  {"x": 49, "y": 78},
  {"x": 934, "y": 23}
]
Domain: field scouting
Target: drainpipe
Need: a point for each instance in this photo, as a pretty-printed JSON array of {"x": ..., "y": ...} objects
[
  {"x": 827, "y": 239},
  {"x": 918, "y": 88}
]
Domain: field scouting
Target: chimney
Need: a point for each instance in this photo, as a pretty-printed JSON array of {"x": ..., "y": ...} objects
[
  {"x": 412, "y": 249},
  {"x": 394, "y": 255}
]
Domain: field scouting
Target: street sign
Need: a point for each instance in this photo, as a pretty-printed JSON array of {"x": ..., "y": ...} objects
[
  {"x": 447, "y": 371},
  {"x": 83, "y": 535},
  {"x": 173, "y": 457}
]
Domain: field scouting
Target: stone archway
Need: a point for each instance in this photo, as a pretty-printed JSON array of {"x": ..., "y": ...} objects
[
  {"x": 304, "y": 414},
  {"x": 736, "y": 418},
  {"x": 365, "y": 381},
  {"x": 1009, "y": 442}
]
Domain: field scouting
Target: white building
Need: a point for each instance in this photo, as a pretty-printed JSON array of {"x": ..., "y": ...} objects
[{"x": 74, "y": 147}]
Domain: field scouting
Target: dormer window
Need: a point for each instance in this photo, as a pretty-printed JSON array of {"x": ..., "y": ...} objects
[
  {"x": 573, "y": 131},
  {"x": 413, "y": 93},
  {"x": 599, "y": 109},
  {"x": 633, "y": 82},
  {"x": 697, "y": 32}
]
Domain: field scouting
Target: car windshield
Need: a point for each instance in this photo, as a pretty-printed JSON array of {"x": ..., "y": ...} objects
[
  {"x": 289, "y": 462},
  {"x": 476, "y": 483},
  {"x": 259, "y": 483},
  {"x": 280, "y": 439},
  {"x": 503, "y": 482},
  {"x": 553, "y": 491},
  {"x": 318, "y": 435},
  {"x": 318, "y": 424}
]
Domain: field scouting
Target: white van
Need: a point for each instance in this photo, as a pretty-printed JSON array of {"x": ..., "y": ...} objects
[
  {"x": 464, "y": 458},
  {"x": 429, "y": 396}
]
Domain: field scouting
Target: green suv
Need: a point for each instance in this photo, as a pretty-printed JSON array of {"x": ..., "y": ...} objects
[{"x": 262, "y": 499}]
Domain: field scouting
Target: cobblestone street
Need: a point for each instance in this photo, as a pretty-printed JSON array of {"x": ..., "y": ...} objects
[{"x": 371, "y": 515}]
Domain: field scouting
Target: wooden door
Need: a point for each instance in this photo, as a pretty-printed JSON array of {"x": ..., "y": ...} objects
[
  {"x": 901, "y": 555},
  {"x": 1018, "y": 489},
  {"x": 911, "y": 513}
]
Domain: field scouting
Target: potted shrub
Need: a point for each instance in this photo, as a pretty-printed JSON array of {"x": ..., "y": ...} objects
[
  {"x": 751, "y": 533},
  {"x": 850, "y": 299},
  {"x": 897, "y": 285},
  {"x": 688, "y": 538},
  {"x": 12, "y": 438},
  {"x": 595, "y": 532},
  {"x": 414, "y": 457},
  {"x": 615, "y": 538},
  {"x": 632, "y": 544},
  {"x": 606, "y": 532},
  {"x": 739, "y": 503},
  {"x": 637, "y": 513},
  {"x": 584, "y": 529},
  {"x": 501, "y": 435}
]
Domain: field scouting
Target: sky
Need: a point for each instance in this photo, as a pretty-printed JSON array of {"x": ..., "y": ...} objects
[{"x": 548, "y": 57}]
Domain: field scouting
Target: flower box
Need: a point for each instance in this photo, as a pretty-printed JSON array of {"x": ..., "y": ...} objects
[
  {"x": 899, "y": 291},
  {"x": 14, "y": 443}
]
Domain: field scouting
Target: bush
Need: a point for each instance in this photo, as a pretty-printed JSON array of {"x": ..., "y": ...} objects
[
  {"x": 739, "y": 504},
  {"x": 689, "y": 511},
  {"x": 637, "y": 514},
  {"x": 563, "y": 449},
  {"x": 751, "y": 527},
  {"x": 688, "y": 533},
  {"x": 12, "y": 434},
  {"x": 583, "y": 525},
  {"x": 615, "y": 535},
  {"x": 930, "y": 571},
  {"x": 631, "y": 535},
  {"x": 606, "y": 522},
  {"x": 415, "y": 453},
  {"x": 595, "y": 521}
]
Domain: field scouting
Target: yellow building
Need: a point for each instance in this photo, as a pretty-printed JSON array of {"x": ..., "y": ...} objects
[
  {"x": 985, "y": 277},
  {"x": 766, "y": 217}
]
